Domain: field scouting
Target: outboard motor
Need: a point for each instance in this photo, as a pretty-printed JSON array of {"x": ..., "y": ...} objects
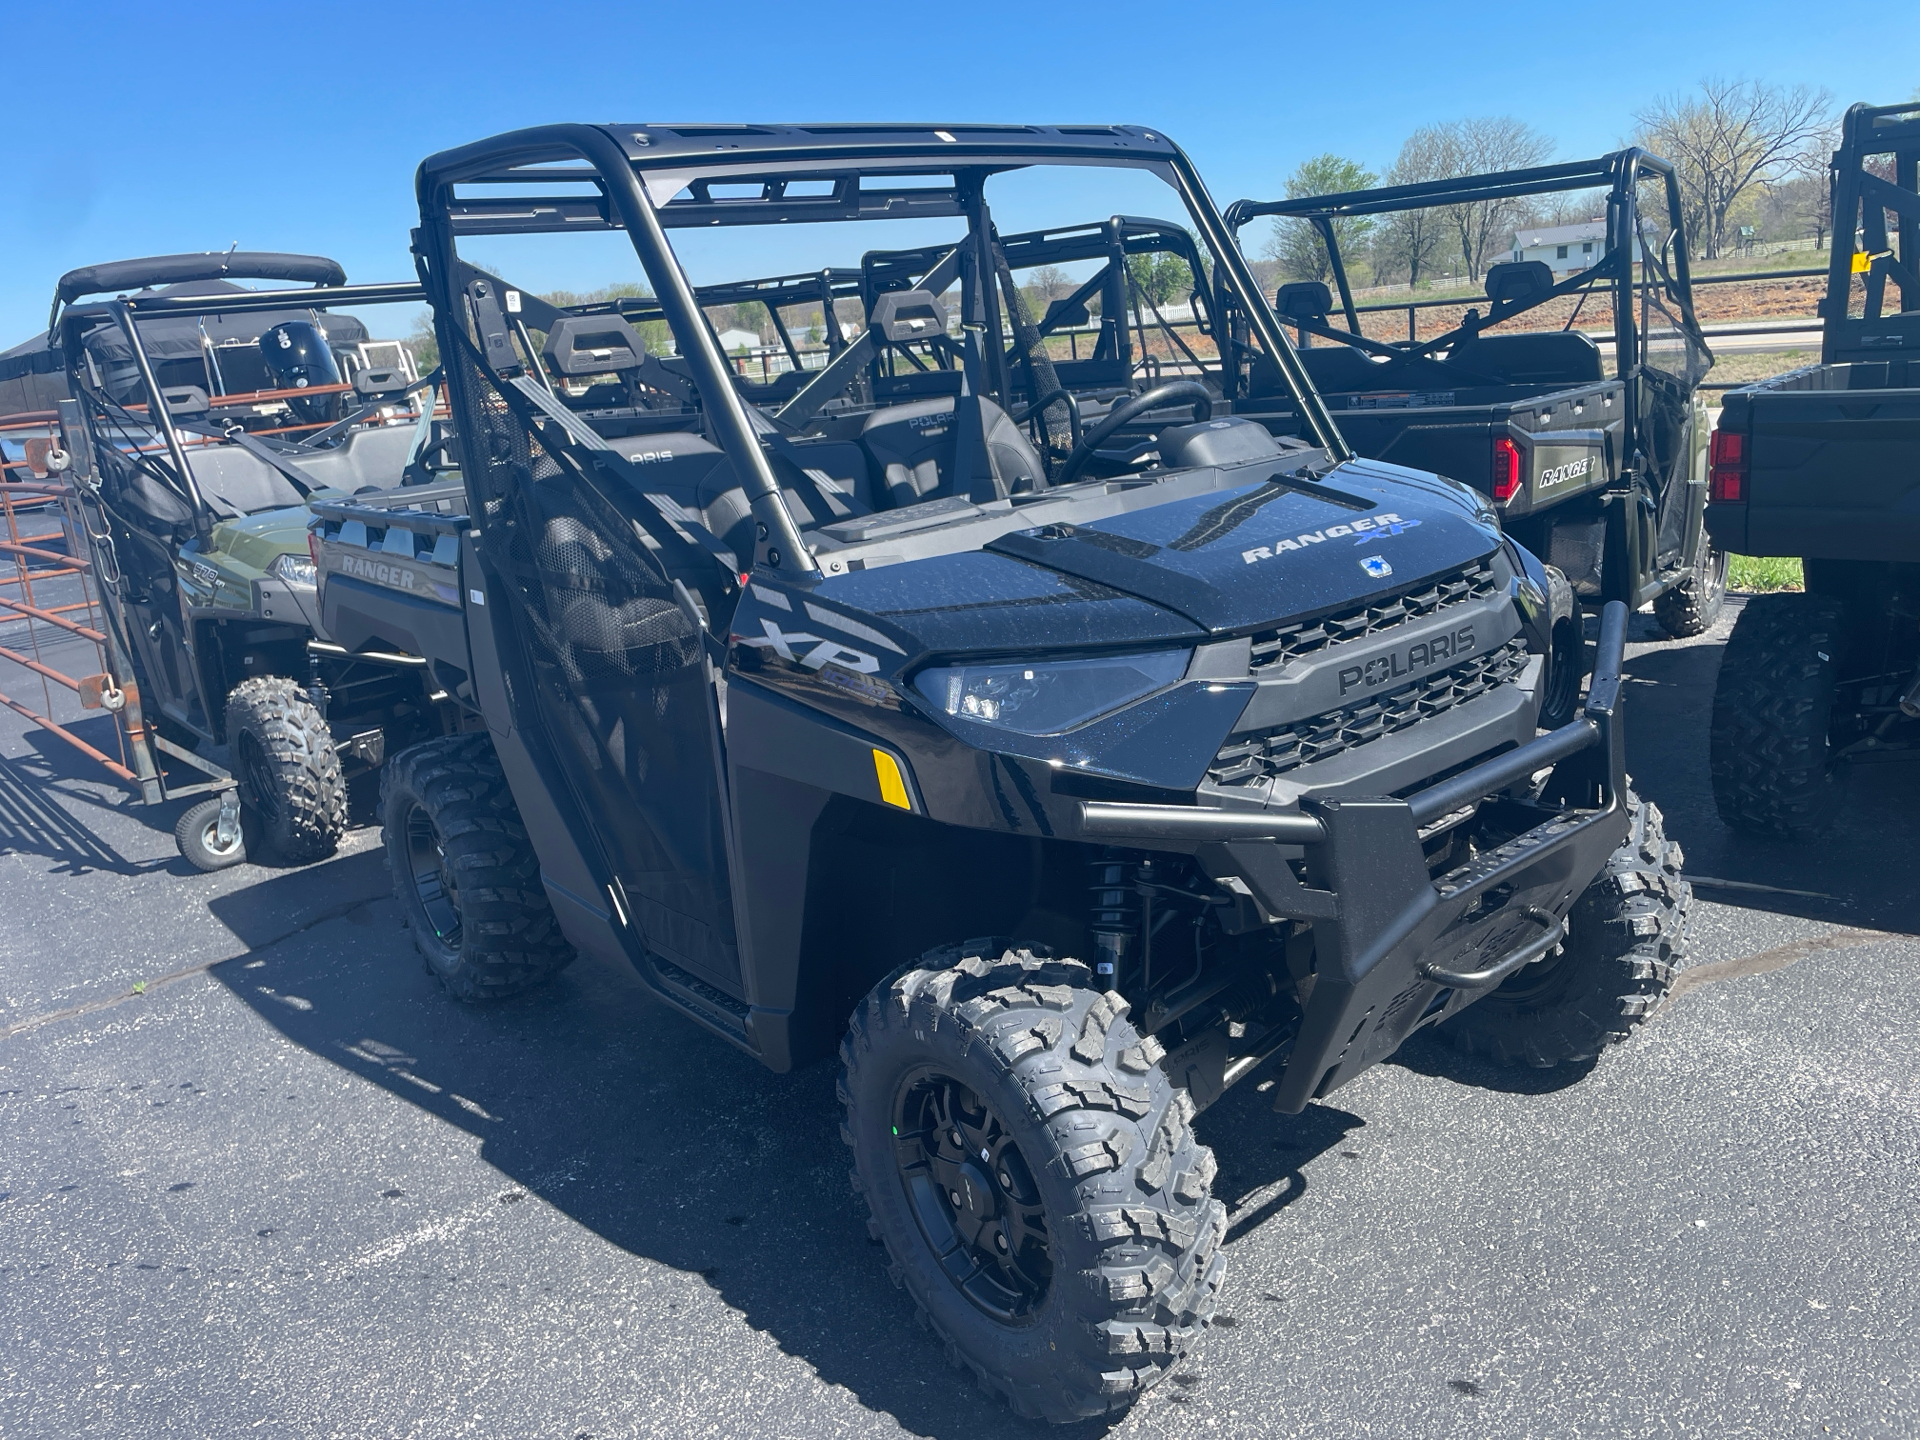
[{"x": 298, "y": 357}]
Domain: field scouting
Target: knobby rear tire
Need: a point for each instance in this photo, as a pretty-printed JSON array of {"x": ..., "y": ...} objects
[
  {"x": 287, "y": 770},
  {"x": 480, "y": 917},
  {"x": 1770, "y": 748},
  {"x": 1693, "y": 606}
]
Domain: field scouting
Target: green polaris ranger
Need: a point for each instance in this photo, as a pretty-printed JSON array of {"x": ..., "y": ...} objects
[{"x": 204, "y": 415}]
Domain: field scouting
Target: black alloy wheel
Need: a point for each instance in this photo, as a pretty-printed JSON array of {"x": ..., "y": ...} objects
[
  {"x": 464, "y": 871},
  {"x": 256, "y": 776},
  {"x": 972, "y": 1195},
  {"x": 435, "y": 887}
]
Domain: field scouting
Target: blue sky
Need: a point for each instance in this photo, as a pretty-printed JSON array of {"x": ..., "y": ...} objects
[{"x": 137, "y": 129}]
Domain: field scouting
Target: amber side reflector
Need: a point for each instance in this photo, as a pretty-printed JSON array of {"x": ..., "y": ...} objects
[{"x": 893, "y": 786}]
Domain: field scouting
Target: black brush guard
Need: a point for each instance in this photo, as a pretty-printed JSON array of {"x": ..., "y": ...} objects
[{"x": 1395, "y": 946}]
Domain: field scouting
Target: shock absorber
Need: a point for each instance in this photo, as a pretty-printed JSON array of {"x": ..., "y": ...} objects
[{"x": 1116, "y": 894}]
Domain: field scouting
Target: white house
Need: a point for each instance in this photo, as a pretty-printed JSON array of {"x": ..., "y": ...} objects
[
  {"x": 1565, "y": 248},
  {"x": 733, "y": 341}
]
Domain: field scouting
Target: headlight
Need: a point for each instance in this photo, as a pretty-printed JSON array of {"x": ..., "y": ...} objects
[
  {"x": 296, "y": 570},
  {"x": 1044, "y": 697}
]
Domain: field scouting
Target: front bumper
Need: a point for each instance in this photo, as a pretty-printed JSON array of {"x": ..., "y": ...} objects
[{"x": 1396, "y": 947}]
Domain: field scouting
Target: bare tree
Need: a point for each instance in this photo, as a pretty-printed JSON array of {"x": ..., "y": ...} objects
[
  {"x": 1792, "y": 207},
  {"x": 1730, "y": 137},
  {"x": 1565, "y": 209},
  {"x": 1407, "y": 241},
  {"x": 1480, "y": 147},
  {"x": 1050, "y": 282}
]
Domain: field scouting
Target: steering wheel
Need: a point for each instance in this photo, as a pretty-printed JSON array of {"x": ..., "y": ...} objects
[{"x": 1174, "y": 392}]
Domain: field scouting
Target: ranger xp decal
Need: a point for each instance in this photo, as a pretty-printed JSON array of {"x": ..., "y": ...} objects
[
  {"x": 824, "y": 652},
  {"x": 1366, "y": 530}
]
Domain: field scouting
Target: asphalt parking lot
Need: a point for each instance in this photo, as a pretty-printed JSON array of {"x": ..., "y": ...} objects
[{"x": 257, "y": 1176}]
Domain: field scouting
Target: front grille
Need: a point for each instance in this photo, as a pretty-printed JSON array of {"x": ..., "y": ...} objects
[
  {"x": 1272, "y": 648},
  {"x": 1264, "y": 754}
]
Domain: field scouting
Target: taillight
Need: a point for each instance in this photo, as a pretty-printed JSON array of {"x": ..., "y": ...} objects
[
  {"x": 313, "y": 548},
  {"x": 1727, "y": 459},
  {"x": 1506, "y": 469}
]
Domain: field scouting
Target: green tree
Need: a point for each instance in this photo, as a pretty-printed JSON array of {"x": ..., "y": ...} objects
[
  {"x": 1160, "y": 278},
  {"x": 1297, "y": 244},
  {"x": 424, "y": 343}
]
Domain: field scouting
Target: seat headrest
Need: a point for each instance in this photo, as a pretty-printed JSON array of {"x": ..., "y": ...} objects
[
  {"x": 904, "y": 315},
  {"x": 1303, "y": 300},
  {"x": 372, "y": 380},
  {"x": 594, "y": 345},
  {"x": 1519, "y": 280},
  {"x": 1066, "y": 312},
  {"x": 184, "y": 399}
]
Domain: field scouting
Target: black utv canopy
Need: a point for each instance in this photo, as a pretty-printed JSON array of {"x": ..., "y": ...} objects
[
  {"x": 156, "y": 270},
  {"x": 31, "y": 378}
]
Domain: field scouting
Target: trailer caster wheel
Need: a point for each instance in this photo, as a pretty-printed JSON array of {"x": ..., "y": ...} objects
[
  {"x": 207, "y": 842},
  {"x": 1034, "y": 1177}
]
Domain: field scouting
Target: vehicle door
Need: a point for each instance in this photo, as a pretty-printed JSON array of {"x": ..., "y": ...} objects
[
  {"x": 1673, "y": 360},
  {"x": 611, "y": 665}
]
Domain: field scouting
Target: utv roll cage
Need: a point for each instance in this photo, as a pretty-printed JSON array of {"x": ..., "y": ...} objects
[
  {"x": 70, "y": 325},
  {"x": 1861, "y": 200},
  {"x": 1120, "y": 348},
  {"x": 1667, "y": 279},
  {"x": 648, "y": 179}
]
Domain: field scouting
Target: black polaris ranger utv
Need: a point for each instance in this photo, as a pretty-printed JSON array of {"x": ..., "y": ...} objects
[
  {"x": 1823, "y": 463},
  {"x": 1059, "y": 792},
  {"x": 204, "y": 414},
  {"x": 1596, "y": 463}
]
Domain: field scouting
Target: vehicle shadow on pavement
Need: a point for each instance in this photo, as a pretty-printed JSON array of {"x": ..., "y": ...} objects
[
  {"x": 1427, "y": 1053},
  {"x": 34, "y": 822},
  {"x": 283, "y": 903},
  {"x": 1859, "y": 875},
  {"x": 667, "y": 1143},
  {"x": 1263, "y": 1156}
]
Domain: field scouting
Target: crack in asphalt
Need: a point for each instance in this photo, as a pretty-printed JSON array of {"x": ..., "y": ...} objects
[
  {"x": 109, "y": 1002},
  {"x": 1779, "y": 957}
]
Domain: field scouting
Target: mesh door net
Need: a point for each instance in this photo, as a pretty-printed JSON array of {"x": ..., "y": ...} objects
[
  {"x": 1674, "y": 360},
  {"x": 615, "y": 662}
]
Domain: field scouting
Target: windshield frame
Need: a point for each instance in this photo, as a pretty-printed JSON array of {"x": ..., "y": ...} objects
[{"x": 636, "y": 172}]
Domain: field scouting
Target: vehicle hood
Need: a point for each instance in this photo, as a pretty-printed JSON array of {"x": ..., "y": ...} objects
[
  {"x": 1274, "y": 549},
  {"x": 256, "y": 541}
]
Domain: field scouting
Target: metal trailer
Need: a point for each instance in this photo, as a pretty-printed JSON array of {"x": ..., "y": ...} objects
[{"x": 51, "y": 605}]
